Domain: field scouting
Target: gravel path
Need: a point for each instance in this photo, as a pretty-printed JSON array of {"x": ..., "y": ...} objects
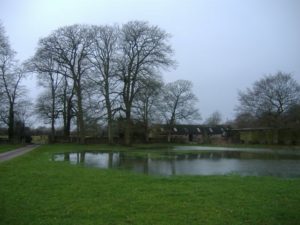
[{"x": 14, "y": 153}]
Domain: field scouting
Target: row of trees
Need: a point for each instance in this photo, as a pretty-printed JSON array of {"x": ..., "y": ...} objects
[
  {"x": 100, "y": 73},
  {"x": 97, "y": 75}
]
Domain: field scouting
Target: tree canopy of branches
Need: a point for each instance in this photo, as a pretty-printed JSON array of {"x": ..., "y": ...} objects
[
  {"x": 270, "y": 98},
  {"x": 103, "y": 57},
  {"x": 116, "y": 63},
  {"x": 144, "y": 50},
  {"x": 68, "y": 47},
  {"x": 48, "y": 102}
]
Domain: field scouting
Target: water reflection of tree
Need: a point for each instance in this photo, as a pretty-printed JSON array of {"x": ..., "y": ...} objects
[
  {"x": 110, "y": 160},
  {"x": 66, "y": 156},
  {"x": 82, "y": 157}
]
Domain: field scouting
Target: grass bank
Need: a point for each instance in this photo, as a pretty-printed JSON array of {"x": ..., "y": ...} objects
[
  {"x": 9, "y": 147},
  {"x": 35, "y": 190}
]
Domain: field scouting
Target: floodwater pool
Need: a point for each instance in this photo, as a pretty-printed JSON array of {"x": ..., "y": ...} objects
[{"x": 193, "y": 160}]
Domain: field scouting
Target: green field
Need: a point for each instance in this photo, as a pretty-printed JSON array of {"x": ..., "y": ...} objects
[{"x": 35, "y": 190}]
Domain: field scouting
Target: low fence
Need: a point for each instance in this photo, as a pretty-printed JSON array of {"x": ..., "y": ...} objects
[
  {"x": 282, "y": 136},
  {"x": 45, "y": 139}
]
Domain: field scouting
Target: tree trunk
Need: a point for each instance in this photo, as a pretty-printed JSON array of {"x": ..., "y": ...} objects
[
  {"x": 68, "y": 124},
  {"x": 65, "y": 113},
  {"x": 127, "y": 134},
  {"x": 171, "y": 124},
  {"x": 80, "y": 114},
  {"x": 11, "y": 123},
  {"x": 52, "y": 129},
  {"x": 109, "y": 123},
  {"x": 146, "y": 133},
  {"x": 110, "y": 131},
  {"x": 53, "y": 118}
]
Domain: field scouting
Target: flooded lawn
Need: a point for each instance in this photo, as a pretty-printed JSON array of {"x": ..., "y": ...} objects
[{"x": 194, "y": 160}]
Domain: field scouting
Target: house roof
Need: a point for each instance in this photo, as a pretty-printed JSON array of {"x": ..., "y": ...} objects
[{"x": 186, "y": 129}]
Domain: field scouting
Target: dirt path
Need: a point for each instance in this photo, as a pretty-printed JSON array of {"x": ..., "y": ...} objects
[{"x": 14, "y": 153}]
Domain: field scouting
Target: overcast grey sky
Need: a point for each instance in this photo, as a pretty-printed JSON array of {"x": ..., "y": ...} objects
[{"x": 222, "y": 46}]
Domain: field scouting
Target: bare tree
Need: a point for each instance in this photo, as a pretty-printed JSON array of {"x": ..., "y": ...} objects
[
  {"x": 214, "y": 119},
  {"x": 270, "y": 97},
  {"x": 10, "y": 79},
  {"x": 178, "y": 103},
  {"x": 144, "y": 49},
  {"x": 69, "y": 47},
  {"x": 103, "y": 56}
]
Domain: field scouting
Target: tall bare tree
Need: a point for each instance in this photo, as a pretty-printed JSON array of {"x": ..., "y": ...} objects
[
  {"x": 270, "y": 97},
  {"x": 69, "y": 48},
  {"x": 144, "y": 49},
  {"x": 103, "y": 56},
  {"x": 10, "y": 79},
  {"x": 47, "y": 69},
  {"x": 178, "y": 103}
]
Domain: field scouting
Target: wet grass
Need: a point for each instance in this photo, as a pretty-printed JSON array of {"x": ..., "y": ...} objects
[
  {"x": 35, "y": 190},
  {"x": 9, "y": 147}
]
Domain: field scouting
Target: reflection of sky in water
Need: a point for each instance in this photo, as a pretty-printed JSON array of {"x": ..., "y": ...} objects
[
  {"x": 97, "y": 160},
  {"x": 74, "y": 157},
  {"x": 58, "y": 157},
  {"x": 254, "y": 150},
  {"x": 182, "y": 165},
  {"x": 226, "y": 166}
]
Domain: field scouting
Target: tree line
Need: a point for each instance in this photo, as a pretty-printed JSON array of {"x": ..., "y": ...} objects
[
  {"x": 99, "y": 73},
  {"x": 96, "y": 75}
]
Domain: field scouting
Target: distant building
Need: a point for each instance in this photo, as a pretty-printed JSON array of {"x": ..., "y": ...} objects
[
  {"x": 189, "y": 133},
  {"x": 40, "y": 139}
]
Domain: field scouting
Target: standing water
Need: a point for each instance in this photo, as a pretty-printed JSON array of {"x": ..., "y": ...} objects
[{"x": 196, "y": 161}]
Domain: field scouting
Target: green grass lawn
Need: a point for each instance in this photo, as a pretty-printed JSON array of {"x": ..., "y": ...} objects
[
  {"x": 35, "y": 190},
  {"x": 9, "y": 147}
]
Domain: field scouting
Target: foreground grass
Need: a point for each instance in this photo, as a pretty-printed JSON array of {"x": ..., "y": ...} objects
[
  {"x": 35, "y": 190},
  {"x": 9, "y": 147}
]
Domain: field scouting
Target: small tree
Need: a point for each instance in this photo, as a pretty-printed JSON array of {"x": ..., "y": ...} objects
[
  {"x": 178, "y": 103},
  {"x": 214, "y": 119},
  {"x": 146, "y": 104}
]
